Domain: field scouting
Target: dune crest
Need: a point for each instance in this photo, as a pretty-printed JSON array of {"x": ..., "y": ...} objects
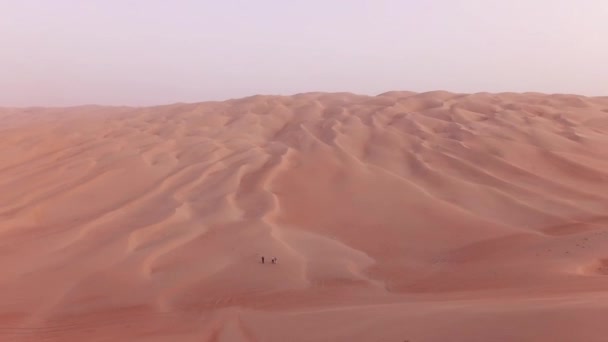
[{"x": 402, "y": 216}]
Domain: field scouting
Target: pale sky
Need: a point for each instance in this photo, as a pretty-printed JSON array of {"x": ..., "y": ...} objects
[{"x": 146, "y": 52}]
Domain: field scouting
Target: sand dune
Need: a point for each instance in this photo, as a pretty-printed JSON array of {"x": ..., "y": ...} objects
[{"x": 398, "y": 217}]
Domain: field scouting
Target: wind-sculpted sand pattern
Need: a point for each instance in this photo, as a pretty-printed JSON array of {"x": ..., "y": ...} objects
[{"x": 398, "y": 217}]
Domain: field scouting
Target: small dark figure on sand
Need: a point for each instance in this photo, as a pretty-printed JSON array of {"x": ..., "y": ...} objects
[
  {"x": 262, "y": 259},
  {"x": 274, "y": 260}
]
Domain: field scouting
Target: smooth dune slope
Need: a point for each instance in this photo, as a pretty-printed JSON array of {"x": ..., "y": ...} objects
[{"x": 398, "y": 217}]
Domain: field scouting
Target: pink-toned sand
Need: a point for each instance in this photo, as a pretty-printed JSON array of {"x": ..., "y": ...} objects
[{"x": 399, "y": 217}]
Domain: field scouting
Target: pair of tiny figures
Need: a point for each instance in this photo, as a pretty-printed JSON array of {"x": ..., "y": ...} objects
[{"x": 274, "y": 260}]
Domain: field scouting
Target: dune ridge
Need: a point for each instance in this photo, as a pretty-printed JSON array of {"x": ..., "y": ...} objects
[{"x": 404, "y": 216}]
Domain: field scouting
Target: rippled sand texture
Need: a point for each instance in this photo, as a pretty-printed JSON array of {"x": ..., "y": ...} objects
[{"x": 399, "y": 217}]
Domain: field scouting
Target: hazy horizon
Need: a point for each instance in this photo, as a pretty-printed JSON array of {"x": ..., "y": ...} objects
[{"x": 139, "y": 53}]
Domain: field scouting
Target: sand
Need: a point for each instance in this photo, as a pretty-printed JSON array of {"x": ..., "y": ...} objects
[{"x": 398, "y": 217}]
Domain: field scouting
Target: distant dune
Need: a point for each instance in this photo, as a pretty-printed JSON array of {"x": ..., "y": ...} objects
[{"x": 398, "y": 217}]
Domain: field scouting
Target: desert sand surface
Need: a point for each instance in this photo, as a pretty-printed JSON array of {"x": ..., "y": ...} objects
[{"x": 399, "y": 217}]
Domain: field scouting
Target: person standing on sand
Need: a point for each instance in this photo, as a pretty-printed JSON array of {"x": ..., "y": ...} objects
[{"x": 262, "y": 259}]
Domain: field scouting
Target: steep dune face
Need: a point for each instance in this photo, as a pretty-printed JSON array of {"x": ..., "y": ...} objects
[{"x": 404, "y": 216}]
